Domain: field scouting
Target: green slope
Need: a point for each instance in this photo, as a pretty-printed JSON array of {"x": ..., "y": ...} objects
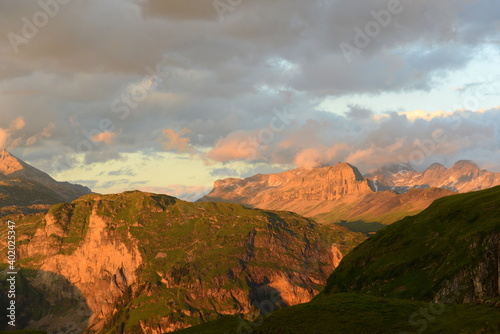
[
  {"x": 448, "y": 253},
  {"x": 359, "y": 314},
  {"x": 443, "y": 247}
]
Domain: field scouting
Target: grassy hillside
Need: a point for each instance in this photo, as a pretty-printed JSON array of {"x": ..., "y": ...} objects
[
  {"x": 25, "y": 196},
  {"x": 374, "y": 211},
  {"x": 451, "y": 244},
  {"x": 358, "y": 313},
  {"x": 436, "y": 272}
]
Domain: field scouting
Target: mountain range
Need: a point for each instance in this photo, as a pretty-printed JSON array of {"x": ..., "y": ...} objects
[
  {"x": 24, "y": 188},
  {"x": 343, "y": 195},
  {"x": 463, "y": 176}
]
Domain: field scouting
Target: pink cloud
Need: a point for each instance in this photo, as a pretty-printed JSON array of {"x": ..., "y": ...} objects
[
  {"x": 174, "y": 141},
  {"x": 320, "y": 156},
  {"x": 46, "y": 133},
  {"x": 17, "y": 124},
  {"x": 6, "y": 140},
  {"x": 104, "y": 137},
  {"x": 239, "y": 145},
  {"x": 4, "y": 137}
]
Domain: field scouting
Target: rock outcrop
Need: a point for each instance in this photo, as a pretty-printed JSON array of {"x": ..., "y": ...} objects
[{"x": 479, "y": 281}]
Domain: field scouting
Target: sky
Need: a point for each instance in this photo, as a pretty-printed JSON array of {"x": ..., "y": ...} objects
[{"x": 168, "y": 96}]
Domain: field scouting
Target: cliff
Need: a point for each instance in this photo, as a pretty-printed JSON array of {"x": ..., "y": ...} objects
[{"x": 338, "y": 194}]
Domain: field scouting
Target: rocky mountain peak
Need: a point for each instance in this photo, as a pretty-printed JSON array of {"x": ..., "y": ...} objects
[
  {"x": 9, "y": 163},
  {"x": 345, "y": 171},
  {"x": 465, "y": 166},
  {"x": 436, "y": 166},
  {"x": 25, "y": 188},
  {"x": 299, "y": 185},
  {"x": 464, "y": 176}
]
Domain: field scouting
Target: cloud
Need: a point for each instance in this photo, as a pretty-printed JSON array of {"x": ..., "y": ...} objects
[
  {"x": 174, "y": 141},
  {"x": 46, "y": 133},
  {"x": 120, "y": 172},
  {"x": 17, "y": 124},
  {"x": 359, "y": 112},
  {"x": 238, "y": 145},
  {"x": 217, "y": 172},
  {"x": 104, "y": 137},
  {"x": 110, "y": 184},
  {"x": 322, "y": 156},
  {"x": 222, "y": 79},
  {"x": 423, "y": 138},
  {"x": 4, "y": 137},
  {"x": 101, "y": 155},
  {"x": 6, "y": 134},
  {"x": 180, "y": 10}
]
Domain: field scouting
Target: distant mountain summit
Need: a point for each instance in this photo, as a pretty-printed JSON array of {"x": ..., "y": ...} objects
[
  {"x": 338, "y": 193},
  {"x": 9, "y": 164},
  {"x": 309, "y": 184},
  {"x": 24, "y": 188},
  {"x": 464, "y": 176},
  {"x": 343, "y": 195}
]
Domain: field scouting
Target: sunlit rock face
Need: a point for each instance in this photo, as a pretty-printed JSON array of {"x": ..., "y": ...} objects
[{"x": 327, "y": 194}]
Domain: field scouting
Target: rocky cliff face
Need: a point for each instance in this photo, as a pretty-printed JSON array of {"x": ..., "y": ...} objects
[
  {"x": 478, "y": 282},
  {"x": 26, "y": 189},
  {"x": 303, "y": 184},
  {"x": 329, "y": 194},
  {"x": 463, "y": 176},
  {"x": 145, "y": 263}
]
